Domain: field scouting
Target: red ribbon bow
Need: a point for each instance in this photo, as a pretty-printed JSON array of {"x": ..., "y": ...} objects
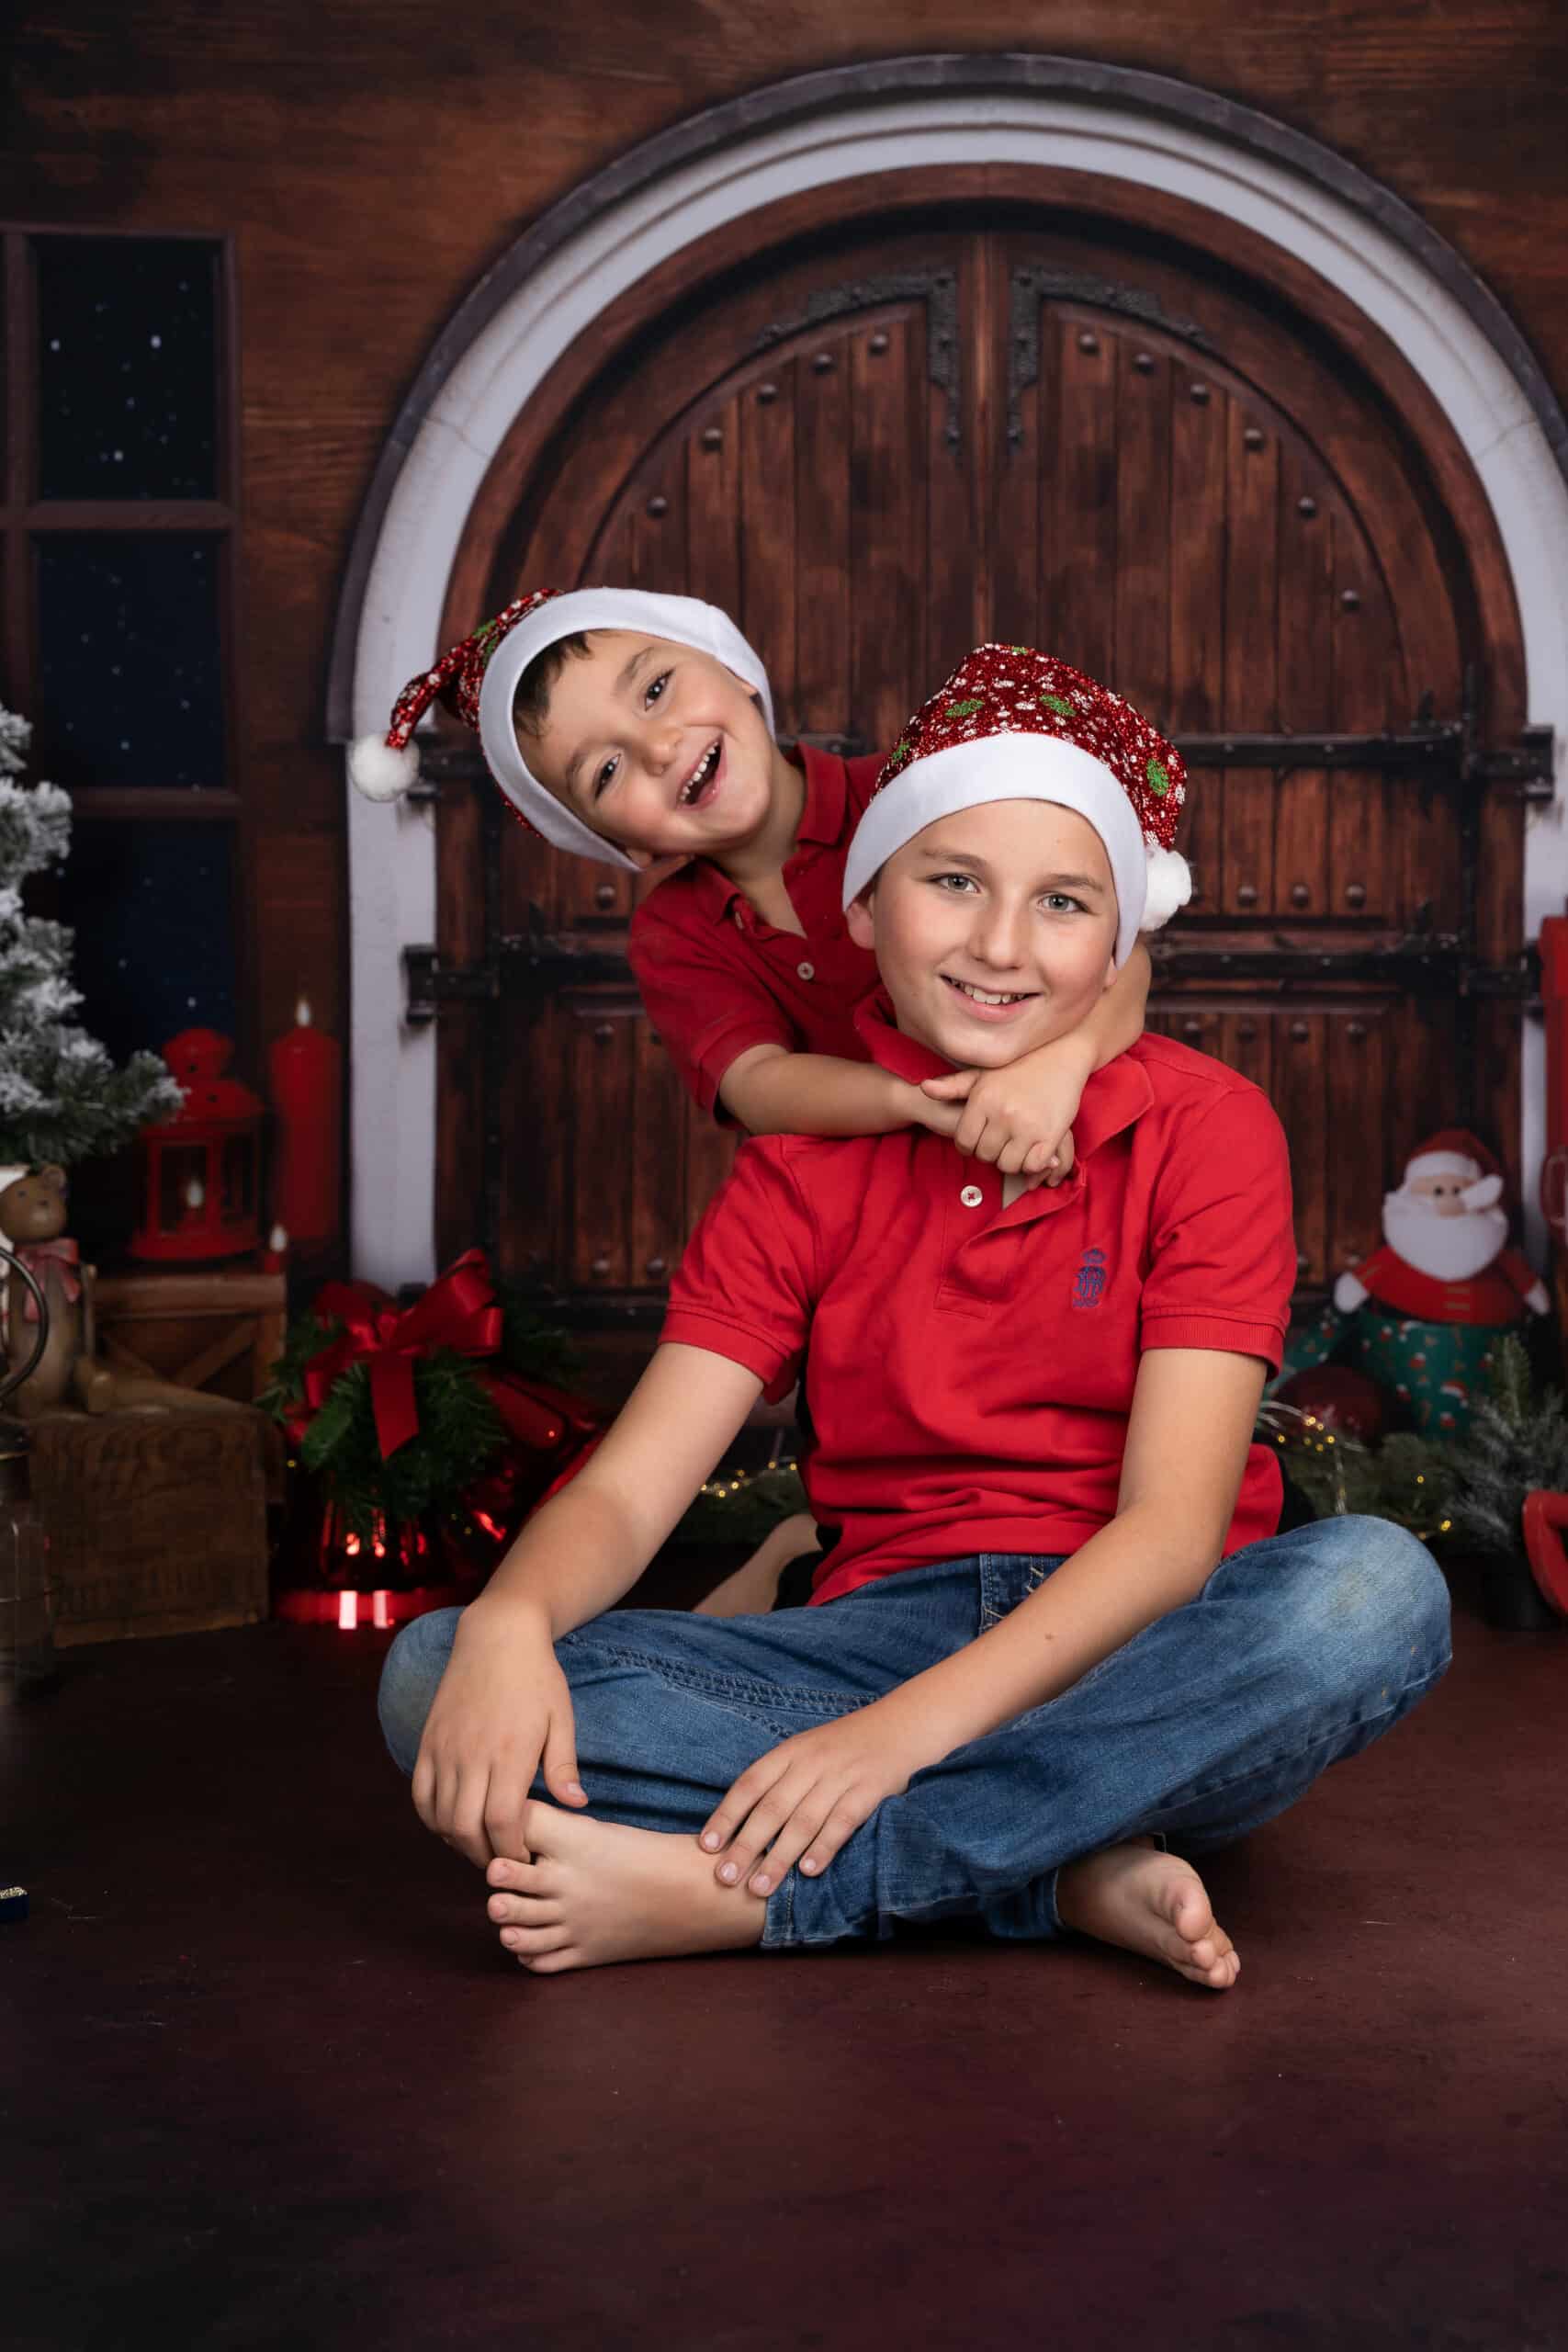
[
  {"x": 38, "y": 1257},
  {"x": 459, "y": 1311}
]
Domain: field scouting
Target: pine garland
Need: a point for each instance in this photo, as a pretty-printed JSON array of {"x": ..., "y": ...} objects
[
  {"x": 61, "y": 1096},
  {"x": 1516, "y": 1442},
  {"x": 1407, "y": 1478},
  {"x": 742, "y": 1506},
  {"x": 459, "y": 1435},
  {"x": 459, "y": 1431}
]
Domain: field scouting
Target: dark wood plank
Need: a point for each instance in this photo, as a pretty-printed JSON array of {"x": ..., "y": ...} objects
[
  {"x": 886, "y": 494},
  {"x": 1300, "y": 1096},
  {"x": 1198, "y": 493},
  {"x": 1357, "y": 1079},
  {"x": 656, "y": 1213},
  {"x": 1140, "y": 669},
  {"x": 1305, "y": 672},
  {"x": 1252, "y": 468},
  {"x": 1078, "y": 560},
  {"x": 604, "y": 1072},
  {"x": 825, "y": 535},
  {"x": 713, "y": 568},
  {"x": 1367, "y": 872},
  {"x": 765, "y": 419}
]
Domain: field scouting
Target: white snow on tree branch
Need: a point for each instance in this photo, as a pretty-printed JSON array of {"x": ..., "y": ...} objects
[{"x": 61, "y": 1096}]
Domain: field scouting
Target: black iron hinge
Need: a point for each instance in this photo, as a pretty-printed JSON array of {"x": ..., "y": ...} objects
[{"x": 530, "y": 963}]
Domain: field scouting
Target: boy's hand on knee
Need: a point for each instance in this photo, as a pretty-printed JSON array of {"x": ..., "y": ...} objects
[
  {"x": 502, "y": 1716},
  {"x": 1006, "y": 1121},
  {"x": 801, "y": 1801}
]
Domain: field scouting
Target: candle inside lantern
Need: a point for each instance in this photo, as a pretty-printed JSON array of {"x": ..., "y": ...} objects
[{"x": 305, "y": 1070}]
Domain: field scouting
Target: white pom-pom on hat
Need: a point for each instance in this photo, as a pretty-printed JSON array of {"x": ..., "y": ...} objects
[
  {"x": 379, "y": 770},
  {"x": 1169, "y": 886}
]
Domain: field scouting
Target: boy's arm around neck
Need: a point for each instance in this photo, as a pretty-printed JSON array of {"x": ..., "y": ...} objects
[
  {"x": 1117, "y": 1021},
  {"x": 1019, "y": 1116},
  {"x": 774, "y": 1093}
]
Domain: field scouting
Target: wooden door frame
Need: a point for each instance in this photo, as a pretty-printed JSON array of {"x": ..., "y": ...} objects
[{"x": 1501, "y": 529}]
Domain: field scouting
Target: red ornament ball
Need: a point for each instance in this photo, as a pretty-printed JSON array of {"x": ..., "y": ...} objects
[{"x": 1347, "y": 1403}]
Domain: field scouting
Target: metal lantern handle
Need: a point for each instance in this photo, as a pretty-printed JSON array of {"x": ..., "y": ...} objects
[{"x": 14, "y": 1380}]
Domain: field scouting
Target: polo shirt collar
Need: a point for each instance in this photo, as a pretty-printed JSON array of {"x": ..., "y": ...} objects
[
  {"x": 822, "y": 826},
  {"x": 1114, "y": 1098}
]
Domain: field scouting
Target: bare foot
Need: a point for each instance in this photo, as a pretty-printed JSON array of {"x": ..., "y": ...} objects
[
  {"x": 752, "y": 1589},
  {"x": 596, "y": 1892},
  {"x": 1152, "y": 1903}
]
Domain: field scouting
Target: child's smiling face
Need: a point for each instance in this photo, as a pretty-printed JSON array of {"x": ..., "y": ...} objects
[
  {"x": 994, "y": 929},
  {"x": 657, "y": 747}
]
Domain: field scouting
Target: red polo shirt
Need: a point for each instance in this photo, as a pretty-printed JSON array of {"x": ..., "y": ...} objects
[
  {"x": 716, "y": 980},
  {"x": 971, "y": 1367}
]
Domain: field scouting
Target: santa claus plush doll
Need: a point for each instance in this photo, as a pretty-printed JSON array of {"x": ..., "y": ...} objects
[
  {"x": 1429, "y": 1306},
  {"x": 1445, "y": 1256}
]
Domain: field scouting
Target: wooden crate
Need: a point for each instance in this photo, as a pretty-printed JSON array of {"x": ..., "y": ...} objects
[
  {"x": 218, "y": 1328},
  {"x": 156, "y": 1522}
]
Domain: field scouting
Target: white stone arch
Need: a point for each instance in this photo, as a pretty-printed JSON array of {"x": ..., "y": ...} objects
[{"x": 910, "y": 115}]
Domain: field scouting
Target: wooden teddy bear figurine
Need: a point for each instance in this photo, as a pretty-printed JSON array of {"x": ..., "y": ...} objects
[{"x": 32, "y": 1225}]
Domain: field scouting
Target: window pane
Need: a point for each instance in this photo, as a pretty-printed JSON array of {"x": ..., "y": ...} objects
[
  {"x": 127, "y": 367},
  {"x": 129, "y": 674},
  {"x": 153, "y": 907}
]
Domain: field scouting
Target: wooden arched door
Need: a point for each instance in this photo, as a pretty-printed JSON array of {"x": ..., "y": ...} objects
[{"x": 879, "y": 440}]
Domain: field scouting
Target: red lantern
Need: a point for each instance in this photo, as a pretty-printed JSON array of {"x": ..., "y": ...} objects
[{"x": 198, "y": 1169}]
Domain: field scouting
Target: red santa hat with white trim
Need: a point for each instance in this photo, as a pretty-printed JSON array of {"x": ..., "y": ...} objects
[
  {"x": 1454, "y": 1151},
  {"x": 476, "y": 679},
  {"x": 1015, "y": 724}
]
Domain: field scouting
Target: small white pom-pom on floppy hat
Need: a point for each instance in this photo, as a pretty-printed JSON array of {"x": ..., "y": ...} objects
[
  {"x": 1015, "y": 724},
  {"x": 477, "y": 680}
]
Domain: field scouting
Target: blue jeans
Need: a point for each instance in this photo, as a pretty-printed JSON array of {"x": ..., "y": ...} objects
[{"x": 1298, "y": 1651}]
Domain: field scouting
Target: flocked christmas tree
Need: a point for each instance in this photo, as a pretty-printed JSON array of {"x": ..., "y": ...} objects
[{"x": 61, "y": 1096}]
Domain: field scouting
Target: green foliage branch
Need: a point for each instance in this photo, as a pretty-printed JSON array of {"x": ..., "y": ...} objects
[
  {"x": 459, "y": 1431},
  {"x": 61, "y": 1096}
]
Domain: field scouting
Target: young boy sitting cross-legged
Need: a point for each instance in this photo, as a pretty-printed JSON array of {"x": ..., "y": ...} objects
[
  {"x": 1054, "y": 1628},
  {"x": 636, "y": 729}
]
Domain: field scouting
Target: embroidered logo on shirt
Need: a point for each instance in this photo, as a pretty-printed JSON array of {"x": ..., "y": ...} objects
[{"x": 1088, "y": 1282}]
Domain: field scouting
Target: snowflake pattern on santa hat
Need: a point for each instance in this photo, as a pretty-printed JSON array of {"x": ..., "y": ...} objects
[{"x": 1016, "y": 690}]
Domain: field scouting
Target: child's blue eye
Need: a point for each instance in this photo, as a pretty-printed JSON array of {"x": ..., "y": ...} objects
[{"x": 965, "y": 882}]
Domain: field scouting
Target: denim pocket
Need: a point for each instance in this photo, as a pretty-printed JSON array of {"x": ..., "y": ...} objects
[{"x": 1007, "y": 1577}]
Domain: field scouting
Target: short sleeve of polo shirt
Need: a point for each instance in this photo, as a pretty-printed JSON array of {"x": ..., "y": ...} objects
[
  {"x": 702, "y": 997},
  {"x": 748, "y": 1281},
  {"x": 1222, "y": 1250}
]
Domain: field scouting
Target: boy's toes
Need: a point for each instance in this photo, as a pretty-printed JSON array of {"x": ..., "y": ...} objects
[
  {"x": 528, "y": 1944},
  {"x": 519, "y": 1878},
  {"x": 522, "y": 1911}
]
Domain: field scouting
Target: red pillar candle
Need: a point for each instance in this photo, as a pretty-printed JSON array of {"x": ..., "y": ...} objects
[{"x": 305, "y": 1072}]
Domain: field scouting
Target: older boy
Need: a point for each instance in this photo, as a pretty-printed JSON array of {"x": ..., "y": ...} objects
[{"x": 1055, "y": 1627}]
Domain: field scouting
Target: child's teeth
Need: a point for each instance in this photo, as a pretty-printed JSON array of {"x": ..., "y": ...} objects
[
  {"x": 982, "y": 996},
  {"x": 702, "y": 773}
]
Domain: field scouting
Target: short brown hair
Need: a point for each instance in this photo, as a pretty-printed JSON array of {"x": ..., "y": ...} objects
[{"x": 531, "y": 703}]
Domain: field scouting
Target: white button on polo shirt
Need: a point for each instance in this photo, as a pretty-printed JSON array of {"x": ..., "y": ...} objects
[
  {"x": 971, "y": 1196},
  {"x": 806, "y": 971}
]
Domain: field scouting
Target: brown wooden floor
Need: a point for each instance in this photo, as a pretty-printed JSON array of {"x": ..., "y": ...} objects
[{"x": 269, "y": 2082}]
